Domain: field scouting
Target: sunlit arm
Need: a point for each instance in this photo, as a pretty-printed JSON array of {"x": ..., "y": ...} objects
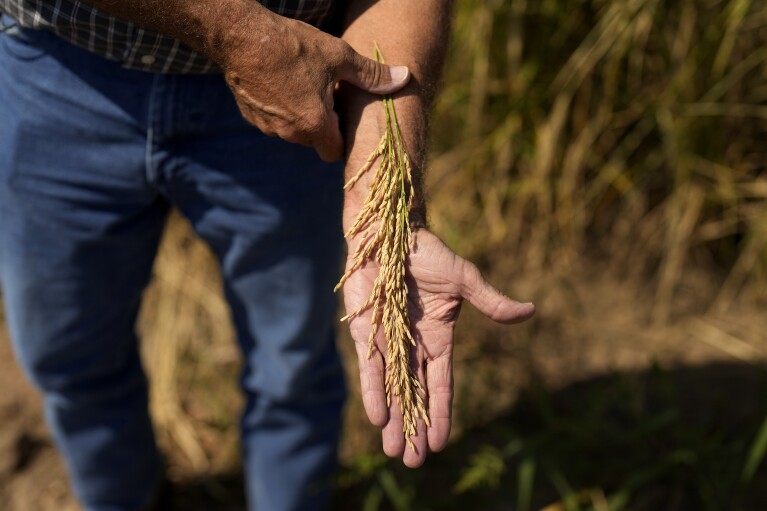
[{"x": 413, "y": 34}]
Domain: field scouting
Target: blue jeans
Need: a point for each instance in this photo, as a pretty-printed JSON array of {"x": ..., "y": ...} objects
[{"x": 91, "y": 158}]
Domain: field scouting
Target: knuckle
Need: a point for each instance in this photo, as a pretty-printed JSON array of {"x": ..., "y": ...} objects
[
  {"x": 290, "y": 136},
  {"x": 372, "y": 71},
  {"x": 345, "y": 54},
  {"x": 265, "y": 128},
  {"x": 313, "y": 122},
  {"x": 287, "y": 132},
  {"x": 303, "y": 128},
  {"x": 269, "y": 132}
]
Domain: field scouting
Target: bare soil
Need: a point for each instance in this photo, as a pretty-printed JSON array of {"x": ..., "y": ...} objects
[
  {"x": 589, "y": 325},
  {"x": 32, "y": 476}
]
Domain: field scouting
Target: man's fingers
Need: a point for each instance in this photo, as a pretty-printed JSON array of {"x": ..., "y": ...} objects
[
  {"x": 372, "y": 385},
  {"x": 414, "y": 458},
  {"x": 328, "y": 141},
  {"x": 372, "y": 76},
  {"x": 491, "y": 302},
  {"x": 415, "y": 454},
  {"x": 439, "y": 379},
  {"x": 391, "y": 434},
  {"x": 395, "y": 444}
]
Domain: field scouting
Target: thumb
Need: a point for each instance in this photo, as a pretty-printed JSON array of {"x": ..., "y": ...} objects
[
  {"x": 491, "y": 302},
  {"x": 373, "y": 76}
]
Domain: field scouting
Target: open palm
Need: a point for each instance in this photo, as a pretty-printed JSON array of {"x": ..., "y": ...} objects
[{"x": 438, "y": 281}]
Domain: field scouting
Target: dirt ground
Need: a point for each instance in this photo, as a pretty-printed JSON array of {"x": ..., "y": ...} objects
[
  {"x": 32, "y": 476},
  {"x": 588, "y": 326}
]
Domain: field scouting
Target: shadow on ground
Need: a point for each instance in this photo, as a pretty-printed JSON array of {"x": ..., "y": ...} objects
[{"x": 680, "y": 439}]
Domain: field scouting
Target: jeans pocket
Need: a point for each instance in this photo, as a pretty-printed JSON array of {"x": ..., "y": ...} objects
[{"x": 18, "y": 42}]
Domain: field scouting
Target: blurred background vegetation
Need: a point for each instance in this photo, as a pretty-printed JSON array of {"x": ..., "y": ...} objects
[{"x": 607, "y": 160}]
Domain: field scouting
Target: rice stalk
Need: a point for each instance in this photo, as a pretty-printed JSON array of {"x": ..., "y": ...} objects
[{"x": 383, "y": 228}]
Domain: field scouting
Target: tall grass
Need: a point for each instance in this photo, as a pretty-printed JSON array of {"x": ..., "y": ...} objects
[{"x": 628, "y": 129}]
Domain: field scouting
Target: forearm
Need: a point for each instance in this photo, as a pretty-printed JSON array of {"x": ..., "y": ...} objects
[
  {"x": 409, "y": 33},
  {"x": 206, "y": 26}
]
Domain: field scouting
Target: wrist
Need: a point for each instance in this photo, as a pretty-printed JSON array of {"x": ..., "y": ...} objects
[
  {"x": 236, "y": 30},
  {"x": 366, "y": 123}
]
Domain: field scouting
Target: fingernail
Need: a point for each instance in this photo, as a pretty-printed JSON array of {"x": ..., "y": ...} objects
[{"x": 398, "y": 73}]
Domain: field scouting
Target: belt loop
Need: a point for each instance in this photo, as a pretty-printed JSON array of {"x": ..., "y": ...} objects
[{"x": 8, "y": 25}]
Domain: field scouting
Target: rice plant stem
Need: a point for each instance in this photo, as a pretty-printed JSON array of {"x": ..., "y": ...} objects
[{"x": 385, "y": 237}]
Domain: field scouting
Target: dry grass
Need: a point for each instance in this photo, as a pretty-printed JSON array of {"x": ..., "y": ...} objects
[
  {"x": 627, "y": 129},
  {"x": 191, "y": 357}
]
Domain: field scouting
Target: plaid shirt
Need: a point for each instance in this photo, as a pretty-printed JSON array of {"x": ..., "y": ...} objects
[{"x": 125, "y": 42}]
